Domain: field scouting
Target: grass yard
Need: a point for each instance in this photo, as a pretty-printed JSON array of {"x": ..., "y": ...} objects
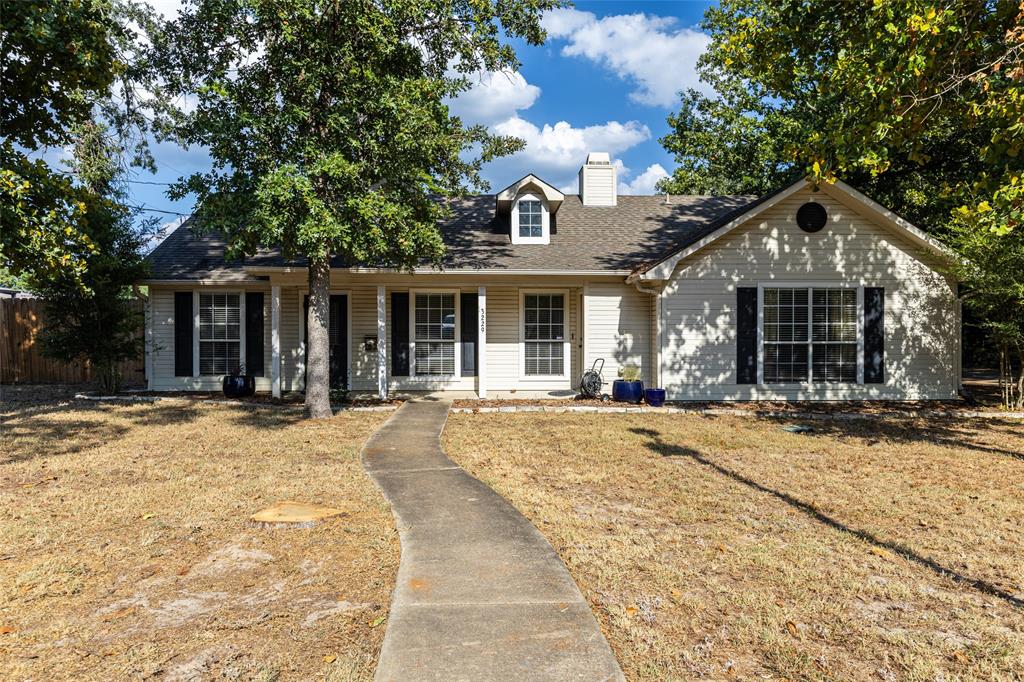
[
  {"x": 726, "y": 548},
  {"x": 126, "y": 549}
]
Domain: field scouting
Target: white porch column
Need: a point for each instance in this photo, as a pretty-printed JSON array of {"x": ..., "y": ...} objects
[
  {"x": 481, "y": 342},
  {"x": 658, "y": 339},
  {"x": 275, "y": 340},
  {"x": 382, "y": 344}
]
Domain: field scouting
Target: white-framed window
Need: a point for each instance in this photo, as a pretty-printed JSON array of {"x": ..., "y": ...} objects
[
  {"x": 435, "y": 324},
  {"x": 545, "y": 342},
  {"x": 811, "y": 334},
  {"x": 220, "y": 332},
  {"x": 531, "y": 221},
  {"x": 531, "y": 218}
]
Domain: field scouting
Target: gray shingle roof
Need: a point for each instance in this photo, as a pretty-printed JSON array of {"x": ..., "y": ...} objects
[{"x": 637, "y": 231}]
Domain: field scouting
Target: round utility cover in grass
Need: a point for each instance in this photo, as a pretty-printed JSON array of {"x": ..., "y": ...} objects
[{"x": 295, "y": 512}]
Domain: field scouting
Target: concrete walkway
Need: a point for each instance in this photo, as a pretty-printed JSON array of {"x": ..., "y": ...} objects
[{"x": 481, "y": 595}]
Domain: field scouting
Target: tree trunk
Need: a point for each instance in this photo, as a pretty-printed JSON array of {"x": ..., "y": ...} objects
[
  {"x": 108, "y": 376},
  {"x": 318, "y": 366},
  {"x": 1020, "y": 382}
]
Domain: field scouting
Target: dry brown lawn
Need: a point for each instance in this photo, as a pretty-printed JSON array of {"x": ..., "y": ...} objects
[
  {"x": 126, "y": 549},
  {"x": 726, "y": 548}
]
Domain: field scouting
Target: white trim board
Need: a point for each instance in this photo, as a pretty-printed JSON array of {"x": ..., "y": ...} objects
[
  {"x": 296, "y": 270},
  {"x": 566, "y": 343},
  {"x": 810, "y": 343},
  {"x": 456, "y": 341},
  {"x": 242, "y": 358}
]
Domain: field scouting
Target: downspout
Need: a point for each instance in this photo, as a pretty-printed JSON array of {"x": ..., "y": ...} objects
[{"x": 656, "y": 336}]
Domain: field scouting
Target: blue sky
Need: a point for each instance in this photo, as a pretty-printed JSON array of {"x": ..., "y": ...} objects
[{"x": 605, "y": 81}]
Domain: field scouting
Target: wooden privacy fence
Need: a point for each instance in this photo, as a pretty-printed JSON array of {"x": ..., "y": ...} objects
[{"x": 21, "y": 358}]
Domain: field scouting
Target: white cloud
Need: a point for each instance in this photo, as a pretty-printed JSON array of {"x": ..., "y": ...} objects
[
  {"x": 494, "y": 97},
  {"x": 563, "y": 22},
  {"x": 650, "y": 51},
  {"x": 562, "y": 147},
  {"x": 645, "y": 182}
]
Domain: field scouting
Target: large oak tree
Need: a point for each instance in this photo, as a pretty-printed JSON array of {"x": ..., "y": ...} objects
[
  {"x": 919, "y": 103},
  {"x": 327, "y": 125},
  {"x": 62, "y": 65}
]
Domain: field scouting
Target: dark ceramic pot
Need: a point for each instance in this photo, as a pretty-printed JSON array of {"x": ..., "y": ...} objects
[
  {"x": 627, "y": 391},
  {"x": 239, "y": 386},
  {"x": 655, "y": 397}
]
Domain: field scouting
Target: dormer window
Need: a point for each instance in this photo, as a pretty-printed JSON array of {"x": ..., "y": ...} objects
[
  {"x": 530, "y": 220},
  {"x": 529, "y": 205}
]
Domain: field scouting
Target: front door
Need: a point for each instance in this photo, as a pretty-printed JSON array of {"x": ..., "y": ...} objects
[{"x": 337, "y": 338}]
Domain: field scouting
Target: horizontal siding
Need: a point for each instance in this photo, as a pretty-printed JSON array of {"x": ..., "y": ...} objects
[
  {"x": 162, "y": 320},
  {"x": 364, "y": 324},
  {"x": 161, "y": 305},
  {"x": 618, "y": 329},
  {"x": 503, "y": 343},
  {"x": 699, "y": 304},
  {"x": 502, "y": 338}
]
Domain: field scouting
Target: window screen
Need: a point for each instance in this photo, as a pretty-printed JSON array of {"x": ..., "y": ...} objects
[
  {"x": 785, "y": 335},
  {"x": 834, "y": 314},
  {"x": 220, "y": 324},
  {"x": 810, "y": 334},
  {"x": 544, "y": 334},
  {"x": 435, "y": 334}
]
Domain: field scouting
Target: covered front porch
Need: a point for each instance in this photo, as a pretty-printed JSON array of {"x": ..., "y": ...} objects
[{"x": 508, "y": 337}]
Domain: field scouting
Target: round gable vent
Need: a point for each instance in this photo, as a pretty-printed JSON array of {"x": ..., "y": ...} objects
[{"x": 811, "y": 217}]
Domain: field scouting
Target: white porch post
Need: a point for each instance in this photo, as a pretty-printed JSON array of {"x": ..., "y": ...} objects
[
  {"x": 382, "y": 344},
  {"x": 658, "y": 339},
  {"x": 481, "y": 343},
  {"x": 275, "y": 341}
]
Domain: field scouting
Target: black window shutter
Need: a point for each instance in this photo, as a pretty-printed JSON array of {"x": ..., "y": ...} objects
[
  {"x": 183, "y": 322},
  {"x": 874, "y": 335},
  {"x": 399, "y": 334},
  {"x": 746, "y": 335},
  {"x": 254, "y": 333},
  {"x": 468, "y": 334}
]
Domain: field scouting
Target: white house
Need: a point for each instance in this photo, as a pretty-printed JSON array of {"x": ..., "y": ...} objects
[{"x": 807, "y": 293}]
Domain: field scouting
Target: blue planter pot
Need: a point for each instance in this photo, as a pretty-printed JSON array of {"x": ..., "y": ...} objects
[
  {"x": 239, "y": 386},
  {"x": 655, "y": 397},
  {"x": 627, "y": 391}
]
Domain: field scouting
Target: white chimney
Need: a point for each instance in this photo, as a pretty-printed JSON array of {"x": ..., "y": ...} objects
[{"x": 597, "y": 180}]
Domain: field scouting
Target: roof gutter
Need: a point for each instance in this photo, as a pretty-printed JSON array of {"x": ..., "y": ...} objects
[
  {"x": 639, "y": 284},
  {"x": 288, "y": 269},
  {"x": 187, "y": 281}
]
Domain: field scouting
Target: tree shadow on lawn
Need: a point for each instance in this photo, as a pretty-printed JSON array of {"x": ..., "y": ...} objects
[
  {"x": 56, "y": 436},
  {"x": 164, "y": 415},
  {"x": 945, "y": 432},
  {"x": 266, "y": 416},
  {"x": 656, "y": 444}
]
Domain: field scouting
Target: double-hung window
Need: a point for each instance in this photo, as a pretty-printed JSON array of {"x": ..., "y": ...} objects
[
  {"x": 434, "y": 338},
  {"x": 809, "y": 335},
  {"x": 531, "y": 218},
  {"x": 544, "y": 334},
  {"x": 220, "y": 333}
]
